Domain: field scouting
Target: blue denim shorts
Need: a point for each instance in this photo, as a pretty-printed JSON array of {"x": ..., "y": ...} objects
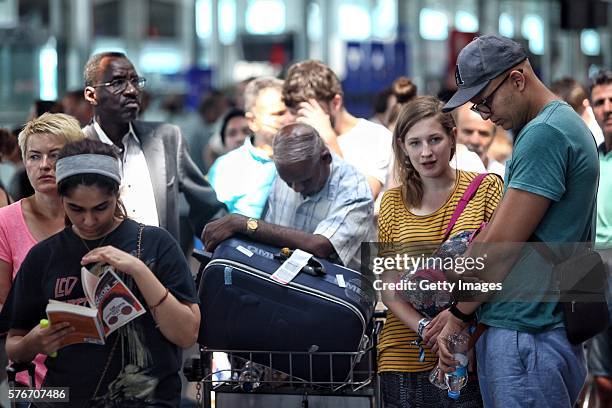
[{"x": 520, "y": 369}]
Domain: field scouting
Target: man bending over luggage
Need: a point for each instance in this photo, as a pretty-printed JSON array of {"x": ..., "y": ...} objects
[{"x": 319, "y": 203}]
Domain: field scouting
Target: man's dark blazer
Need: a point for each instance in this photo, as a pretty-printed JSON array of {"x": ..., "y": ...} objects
[{"x": 172, "y": 171}]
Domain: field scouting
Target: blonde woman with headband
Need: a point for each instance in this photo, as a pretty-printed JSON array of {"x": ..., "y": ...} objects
[
  {"x": 35, "y": 218},
  {"x": 139, "y": 363}
]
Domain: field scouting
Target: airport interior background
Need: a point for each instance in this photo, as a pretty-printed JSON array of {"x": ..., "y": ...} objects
[
  {"x": 197, "y": 54},
  {"x": 187, "y": 49}
]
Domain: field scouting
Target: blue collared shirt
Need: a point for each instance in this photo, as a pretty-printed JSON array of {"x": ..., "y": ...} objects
[
  {"x": 343, "y": 211},
  {"x": 242, "y": 179}
]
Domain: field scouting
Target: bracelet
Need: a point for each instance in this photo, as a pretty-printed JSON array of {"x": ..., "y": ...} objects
[
  {"x": 423, "y": 323},
  {"x": 152, "y": 308},
  {"x": 466, "y": 318}
]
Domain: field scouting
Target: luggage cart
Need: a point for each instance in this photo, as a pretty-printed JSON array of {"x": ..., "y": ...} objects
[{"x": 248, "y": 383}]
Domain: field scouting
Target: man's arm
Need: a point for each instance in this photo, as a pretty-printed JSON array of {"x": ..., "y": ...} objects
[
  {"x": 515, "y": 220},
  {"x": 234, "y": 224},
  {"x": 203, "y": 203}
]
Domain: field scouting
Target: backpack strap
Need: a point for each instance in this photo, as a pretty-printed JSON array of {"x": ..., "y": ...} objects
[{"x": 463, "y": 202}]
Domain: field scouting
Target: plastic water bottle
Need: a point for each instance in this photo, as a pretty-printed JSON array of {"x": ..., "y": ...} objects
[
  {"x": 456, "y": 380},
  {"x": 435, "y": 380},
  {"x": 250, "y": 376}
]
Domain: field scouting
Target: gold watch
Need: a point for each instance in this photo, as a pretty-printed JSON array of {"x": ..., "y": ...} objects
[{"x": 252, "y": 226}]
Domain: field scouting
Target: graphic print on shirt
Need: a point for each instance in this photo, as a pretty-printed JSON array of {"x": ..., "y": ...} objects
[
  {"x": 63, "y": 288},
  {"x": 133, "y": 385}
]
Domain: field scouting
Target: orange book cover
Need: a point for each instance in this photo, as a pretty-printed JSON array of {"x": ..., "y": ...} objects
[
  {"x": 112, "y": 305},
  {"x": 87, "y": 327}
]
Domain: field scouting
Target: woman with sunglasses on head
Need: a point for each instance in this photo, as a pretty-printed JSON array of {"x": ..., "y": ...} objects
[
  {"x": 415, "y": 215},
  {"x": 35, "y": 218},
  {"x": 140, "y": 362}
]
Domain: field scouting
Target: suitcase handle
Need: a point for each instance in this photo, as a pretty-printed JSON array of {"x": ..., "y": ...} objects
[
  {"x": 317, "y": 270},
  {"x": 313, "y": 268}
]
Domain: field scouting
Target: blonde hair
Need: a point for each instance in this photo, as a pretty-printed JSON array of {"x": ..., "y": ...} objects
[{"x": 57, "y": 124}]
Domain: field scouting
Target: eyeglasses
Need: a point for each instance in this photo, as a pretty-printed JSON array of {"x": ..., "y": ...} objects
[
  {"x": 120, "y": 84},
  {"x": 483, "y": 107}
]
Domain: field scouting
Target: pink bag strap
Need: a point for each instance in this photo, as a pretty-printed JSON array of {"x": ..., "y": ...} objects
[{"x": 463, "y": 202}]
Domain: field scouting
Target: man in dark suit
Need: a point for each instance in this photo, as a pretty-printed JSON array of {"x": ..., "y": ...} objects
[{"x": 155, "y": 163}]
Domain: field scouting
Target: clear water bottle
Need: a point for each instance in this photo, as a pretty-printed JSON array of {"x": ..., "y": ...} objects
[
  {"x": 434, "y": 378},
  {"x": 456, "y": 380},
  {"x": 250, "y": 376}
]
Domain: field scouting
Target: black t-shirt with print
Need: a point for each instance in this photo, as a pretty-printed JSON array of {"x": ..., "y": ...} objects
[{"x": 52, "y": 271}]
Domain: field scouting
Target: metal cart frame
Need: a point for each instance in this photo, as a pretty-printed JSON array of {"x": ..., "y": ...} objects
[{"x": 362, "y": 380}]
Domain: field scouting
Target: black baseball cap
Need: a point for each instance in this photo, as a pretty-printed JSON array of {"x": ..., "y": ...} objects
[{"x": 480, "y": 61}]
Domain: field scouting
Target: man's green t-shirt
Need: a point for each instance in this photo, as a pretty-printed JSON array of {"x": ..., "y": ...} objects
[{"x": 554, "y": 156}]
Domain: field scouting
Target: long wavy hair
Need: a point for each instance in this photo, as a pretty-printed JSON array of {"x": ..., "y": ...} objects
[{"x": 418, "y": 109}]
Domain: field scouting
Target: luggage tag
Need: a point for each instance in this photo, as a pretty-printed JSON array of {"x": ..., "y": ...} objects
[{"x": 291, "y": 267}]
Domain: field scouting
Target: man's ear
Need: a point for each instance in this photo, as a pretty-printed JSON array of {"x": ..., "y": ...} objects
[
  {"x": 90, "y": 95},
  {"x": 337, "y": 102},
  {"x": 586, "y": 103},
  {"x": 518, "y": 79}
]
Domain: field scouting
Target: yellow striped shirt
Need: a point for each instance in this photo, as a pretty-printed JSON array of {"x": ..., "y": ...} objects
[{"x": 398, "y": 225}]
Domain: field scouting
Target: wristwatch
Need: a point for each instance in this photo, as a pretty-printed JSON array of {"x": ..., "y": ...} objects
[
  {"x": 466, "y": 318},
  {"x": 252, "y": 226}
]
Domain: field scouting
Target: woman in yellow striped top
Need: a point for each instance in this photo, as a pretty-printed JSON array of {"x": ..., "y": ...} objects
[{"x": 416, "y": 214}]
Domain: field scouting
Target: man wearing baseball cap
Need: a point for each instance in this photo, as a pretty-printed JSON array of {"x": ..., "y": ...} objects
[{"x": 524, "y": 356}]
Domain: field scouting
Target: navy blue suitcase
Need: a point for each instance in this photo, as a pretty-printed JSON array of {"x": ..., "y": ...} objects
[{"x": 244, "y": 309}]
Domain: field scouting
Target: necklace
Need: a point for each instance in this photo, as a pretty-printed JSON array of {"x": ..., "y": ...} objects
[{"x": 99, "y": 244}]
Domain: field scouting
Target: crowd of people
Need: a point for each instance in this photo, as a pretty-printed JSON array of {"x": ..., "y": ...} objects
[{"x": 287, "y": 164}]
